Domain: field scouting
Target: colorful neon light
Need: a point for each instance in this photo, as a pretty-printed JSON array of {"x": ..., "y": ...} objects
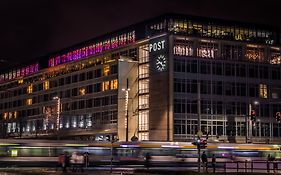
[
  {"x": 20, "y": 72},
  {"x": 98, "y": 47}
]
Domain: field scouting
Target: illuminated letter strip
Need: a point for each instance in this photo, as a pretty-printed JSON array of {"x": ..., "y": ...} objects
[{"x": 98, "y": 47}]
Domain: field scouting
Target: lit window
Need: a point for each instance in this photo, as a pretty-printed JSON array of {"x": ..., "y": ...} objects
[
  {"x": 105, "y": 86},
  {"x": 254, "y": 53},
  {"x": 10, "y": 115},
  {"x": 106, "y": 70},
  {"x": 29, "y": 101},
  {"x": 82, "y": 91},
  {"x": 114, "y": 84},
  {"x": 143, "y": 120},
  {"x": 5, "y": 115},
  {"x": 29, "y": 89},
  {"x": 20, "y": 81},
  {"x": 46, "y": 85},
  {"x": 263, "y": 91},
  {"x": 143, "y": 135}
]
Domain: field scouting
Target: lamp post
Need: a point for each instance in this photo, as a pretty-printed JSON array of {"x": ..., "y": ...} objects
[
  {"x": 126, "y": 90},
  {"x": 58, "y": 111}
]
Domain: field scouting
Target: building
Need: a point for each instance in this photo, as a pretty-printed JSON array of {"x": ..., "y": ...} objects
[{"x": 159, "y": 80}]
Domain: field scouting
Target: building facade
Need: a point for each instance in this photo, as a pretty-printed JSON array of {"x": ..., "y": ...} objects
[{"x": 161, "y": 80}]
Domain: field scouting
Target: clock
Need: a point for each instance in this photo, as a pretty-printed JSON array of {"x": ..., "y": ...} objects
[{"x": 161, "y": 63}]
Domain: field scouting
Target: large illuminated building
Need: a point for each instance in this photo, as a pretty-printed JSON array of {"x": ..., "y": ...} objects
[{"x": 159, "y": 80}]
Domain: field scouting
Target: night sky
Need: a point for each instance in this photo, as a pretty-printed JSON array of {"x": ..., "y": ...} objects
[{"x": 33, "y": 28}]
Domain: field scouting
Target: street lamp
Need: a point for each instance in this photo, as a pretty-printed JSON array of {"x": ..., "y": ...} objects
[
  {"x": 126, "y": 90},
  {"x": 58, "y": 110}
]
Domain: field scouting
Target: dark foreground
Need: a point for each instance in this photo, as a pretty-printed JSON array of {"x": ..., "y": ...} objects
[{"x": 167, "y": 171}]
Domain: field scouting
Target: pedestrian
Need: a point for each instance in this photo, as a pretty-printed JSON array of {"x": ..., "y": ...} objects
[
  {"x": 275, "y": 165},
  {"x": 268, "y": 163},
  {"x": 61, "y": 161},
  {"x": 204, "y": 160},
  {"x": 86, "y": 159},
  {"x": 214, "y": 163},
  {"x": 147, "y": 160},
  {"x": 66, "y": 161}
]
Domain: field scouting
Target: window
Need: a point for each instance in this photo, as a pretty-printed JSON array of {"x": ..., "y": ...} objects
[
  {"x": 143, "y": 86},
  {"x": 97, "y": 73},
  {"x": 183, "y": 48},
  {"x": 232, "y": 52},
  {"x": 97, "y": 87},
  {"x": 144, "y": 71},
  {"x": 46, "y": 85},
  {"x": 143, "y": 101},
  {"x": 113, "y": 84},
  {"x": 207, "y": 50},
  {"x": 89, "y": 75},
  {"x": 143, "y": 120},
  {"x": 29, "y": 101},
  {"x": 82, "y": 77},
  {"x": 106, "y": 70},
  {"x": 263, "y": 91},
  {"x": 82, "y": 91},
  {"x": 255, "y": 54},
  {"x": 105, "y": 86},
  {"x": 143, "y": 54},
  {"x": 74, "y": 78},
  {"x": 29, "y": 89}
]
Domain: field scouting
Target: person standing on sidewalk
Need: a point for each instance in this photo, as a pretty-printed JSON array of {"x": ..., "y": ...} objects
[
  {"x": 204, "y": 159},
  {"x": 214, "y": 163},
  {"x": 268, "y": 163}
]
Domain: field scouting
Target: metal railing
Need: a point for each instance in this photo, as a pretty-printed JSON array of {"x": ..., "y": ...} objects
[{"x": 245, "y": 166}]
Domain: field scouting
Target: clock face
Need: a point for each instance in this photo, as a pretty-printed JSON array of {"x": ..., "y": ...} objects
[{"x": 161, "y": 63}]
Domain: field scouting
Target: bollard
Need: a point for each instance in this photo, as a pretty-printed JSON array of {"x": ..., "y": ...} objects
[
  {"x": 237, "y": 166},
  {"x": 224, "y": 166},
  {"x": 246, "y": 165}
]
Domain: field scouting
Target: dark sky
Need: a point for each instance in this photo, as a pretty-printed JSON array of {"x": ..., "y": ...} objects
[{"x": 33, "y": 28}]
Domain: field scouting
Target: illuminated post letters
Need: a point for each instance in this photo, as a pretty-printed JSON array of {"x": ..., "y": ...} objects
[{"x": 157, "y": 46}]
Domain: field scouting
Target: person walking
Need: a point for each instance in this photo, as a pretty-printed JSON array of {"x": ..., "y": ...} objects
[
  {"x": 61, "y": 161},
  {"x": 268, "y": 163},
  {"x": 275, "y": 165},
  {"x": 204, "y": 160},
  {"x": 147, "y": 160},
  {"x": 66, "y": 161},
  {"x": 214, "y": 163},
  {"x": 86, "y": 159}
]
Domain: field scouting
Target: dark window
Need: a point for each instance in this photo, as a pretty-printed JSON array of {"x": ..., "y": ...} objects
[
  {"x": 68, "y": 80},
  {"x": 61, "y": 81},
  {"x": 97, "y": 87},
  {"x": 89, "y": 89},
  {"x": 74, "y": 78},
  {"x": 97, "y": 73},
  {"x": 82, "y": 77},
  {"x": 113, "y": 69},
  {"x": 89, "y": 103},
  {"x": 96, "y": 102},
  {"x": 90, "y": 75},
  {"x": 74, "y": 92}
]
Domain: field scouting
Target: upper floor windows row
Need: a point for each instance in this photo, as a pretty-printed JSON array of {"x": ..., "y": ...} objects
[
  {"x": 222, "y": 31},
  {"x": 228, "y": 52},
  {"x": 227, "y": 69}
]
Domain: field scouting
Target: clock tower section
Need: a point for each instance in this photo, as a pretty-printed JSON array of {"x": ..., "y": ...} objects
[{"x": 160, "y": 114}]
